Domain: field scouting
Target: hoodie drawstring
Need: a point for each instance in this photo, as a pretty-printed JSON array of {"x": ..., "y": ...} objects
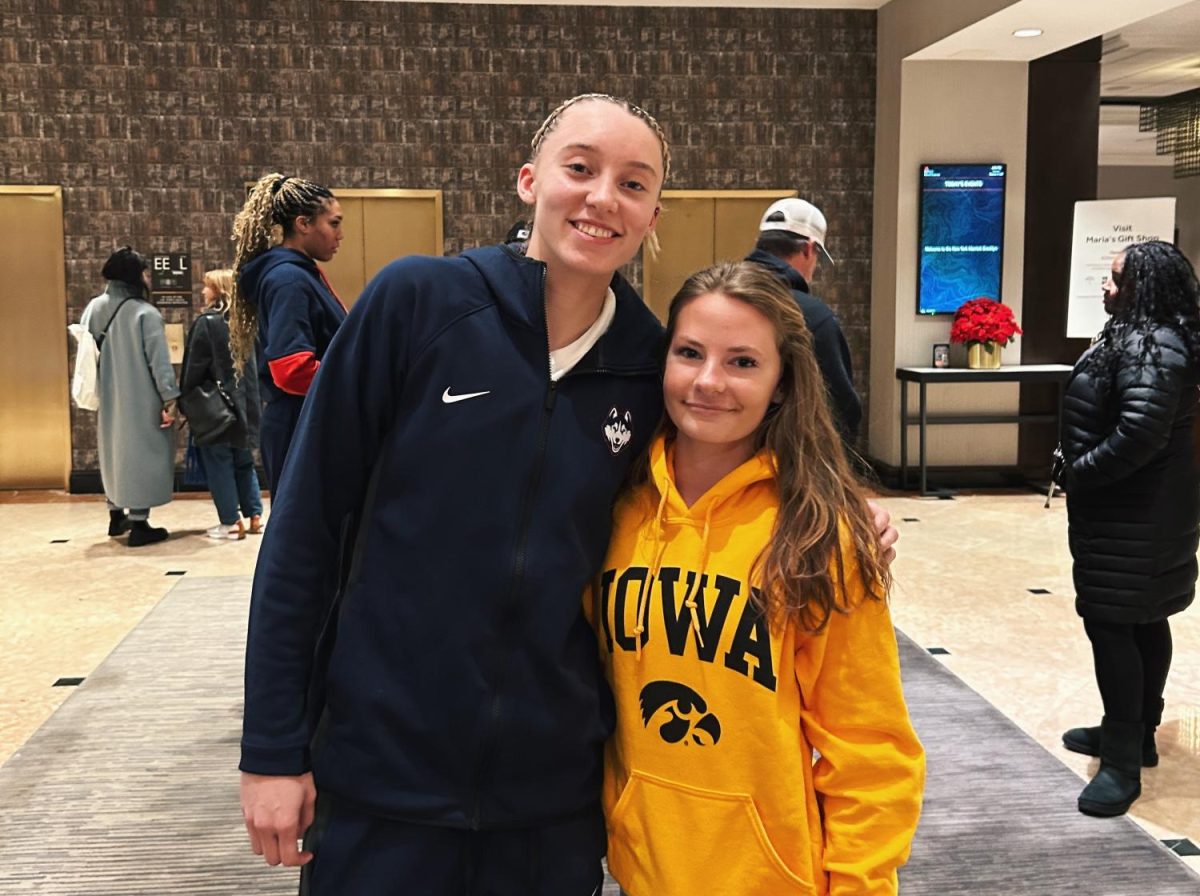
[
  {"x": 690, "y": 601},
  {"x": 660, "y": 547}
]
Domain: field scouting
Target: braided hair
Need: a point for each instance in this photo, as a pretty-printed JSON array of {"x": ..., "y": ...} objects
[
  {"x": 637, "y": 112},
  {"x": 268, "y": 217},
  {"x": 1157, "y": 288}
]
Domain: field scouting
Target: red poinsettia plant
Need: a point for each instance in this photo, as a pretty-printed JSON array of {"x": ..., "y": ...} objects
[{"x": 984, "y": 320}]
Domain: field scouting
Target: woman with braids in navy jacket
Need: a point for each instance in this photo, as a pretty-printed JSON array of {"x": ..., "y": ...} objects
[
  {"x": 1133, "y": 505},
  {"x": 282, "y": 306}
]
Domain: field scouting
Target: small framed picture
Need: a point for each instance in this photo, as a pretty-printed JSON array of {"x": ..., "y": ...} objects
[{"x": 941, "y": 354}]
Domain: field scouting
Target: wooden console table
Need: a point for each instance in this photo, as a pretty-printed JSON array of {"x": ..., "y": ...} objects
[{"x": 923, "y": 376}]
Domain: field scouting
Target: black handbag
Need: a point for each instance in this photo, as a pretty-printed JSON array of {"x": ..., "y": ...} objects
[{"x": 210, "y": 411}]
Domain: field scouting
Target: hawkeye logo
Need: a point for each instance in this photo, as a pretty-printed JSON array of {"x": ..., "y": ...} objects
[{"x": 684, "y": 714}]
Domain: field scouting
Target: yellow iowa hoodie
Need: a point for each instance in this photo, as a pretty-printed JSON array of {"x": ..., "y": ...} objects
[{"x": 710, "y": 780}]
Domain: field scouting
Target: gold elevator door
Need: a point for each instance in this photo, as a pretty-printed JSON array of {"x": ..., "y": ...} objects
[
  {"x": 697, "y": 228},
  {"x": 381, "y": 226},
  {"x": 35, "y": 417}
]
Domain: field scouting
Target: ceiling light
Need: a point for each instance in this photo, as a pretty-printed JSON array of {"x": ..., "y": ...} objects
[{"x": 1028, "y": 32}]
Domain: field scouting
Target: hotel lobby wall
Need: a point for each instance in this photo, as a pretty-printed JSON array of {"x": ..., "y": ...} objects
[
  {"x": 938, "y": 117},
  {"x": 152, "y": 116}
]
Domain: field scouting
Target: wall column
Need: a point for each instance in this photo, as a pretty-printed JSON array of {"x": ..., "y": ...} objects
[{"x": 1061, "y": 165}]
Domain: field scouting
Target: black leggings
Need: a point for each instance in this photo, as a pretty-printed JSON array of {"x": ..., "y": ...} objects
[{"x": 1132, "y": 662}]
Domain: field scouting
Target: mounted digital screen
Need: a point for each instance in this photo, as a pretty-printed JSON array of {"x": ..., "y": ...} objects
[{"x": 961, "y": 237}]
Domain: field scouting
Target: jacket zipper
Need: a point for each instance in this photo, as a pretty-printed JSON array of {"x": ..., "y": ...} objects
[{"x": 509, "y": 610}]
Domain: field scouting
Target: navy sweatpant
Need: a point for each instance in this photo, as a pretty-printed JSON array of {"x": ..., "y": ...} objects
[
  {"x": 278, "y": 424},
  {"x": 364, "y": 855}
]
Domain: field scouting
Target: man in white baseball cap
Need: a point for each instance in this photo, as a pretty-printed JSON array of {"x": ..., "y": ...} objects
[
  {"x": 801, "y": 217},
  {"x": 791, "y": 237}
]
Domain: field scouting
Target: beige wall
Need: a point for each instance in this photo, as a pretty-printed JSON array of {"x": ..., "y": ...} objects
[
  {"x": 952, "y": 112},
  {"x": 1137, "y": 181},
  {"x": 911, "y": 25}
]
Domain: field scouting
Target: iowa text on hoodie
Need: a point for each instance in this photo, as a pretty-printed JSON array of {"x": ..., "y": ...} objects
[
  {"x": 463, "y": 686},
  {"x": 710, "y": 784}
]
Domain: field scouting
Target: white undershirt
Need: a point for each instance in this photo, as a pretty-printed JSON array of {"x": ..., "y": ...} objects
[{"x": 562, "y": 360}]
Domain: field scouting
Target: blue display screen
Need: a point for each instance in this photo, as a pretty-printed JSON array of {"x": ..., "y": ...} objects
[{"x": 961, "y": 240}]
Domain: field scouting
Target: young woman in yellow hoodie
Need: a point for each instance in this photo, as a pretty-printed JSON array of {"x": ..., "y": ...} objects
[{"x": 763, "y": 746}]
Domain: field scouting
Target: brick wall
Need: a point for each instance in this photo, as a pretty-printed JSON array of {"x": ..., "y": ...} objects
[{"x": 153, "y": 114}]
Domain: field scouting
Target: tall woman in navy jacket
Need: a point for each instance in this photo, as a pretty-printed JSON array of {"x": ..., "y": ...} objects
[
  {"x": 1133, "y": 505},
  {"x": 283, "y": 308},
  {"x": 457, "y": 461},
  {"x": 436, "y": 722}
]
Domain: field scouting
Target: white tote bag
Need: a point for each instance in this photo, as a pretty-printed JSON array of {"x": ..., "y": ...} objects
[{"x": 85, "y": 388}]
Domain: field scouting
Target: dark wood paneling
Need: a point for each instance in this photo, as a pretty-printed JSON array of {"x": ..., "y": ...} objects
[
  {"x": 153, "y": 115},
  {"x": 1063, "y": 141}
]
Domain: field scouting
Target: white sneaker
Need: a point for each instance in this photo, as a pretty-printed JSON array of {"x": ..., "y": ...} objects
[{"x": 234, "y": 531}]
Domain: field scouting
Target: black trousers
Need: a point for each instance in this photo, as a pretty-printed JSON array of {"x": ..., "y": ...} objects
[
  {"x": 356, "y": 854},
  {"x": 1132, "y": 662}
]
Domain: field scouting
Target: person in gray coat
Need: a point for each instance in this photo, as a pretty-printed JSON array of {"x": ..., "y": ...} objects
[
  {"x": 137, "y": 399},
  {"x": 1133, "y": 505}
]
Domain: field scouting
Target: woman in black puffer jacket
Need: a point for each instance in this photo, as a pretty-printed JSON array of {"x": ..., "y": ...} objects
[{"x": 1133, "y": 505}]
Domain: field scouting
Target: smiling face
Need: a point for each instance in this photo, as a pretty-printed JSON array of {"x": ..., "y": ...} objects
[
  {"x": 722, "y": 373},
  {"x": 594, "y": 185},
  {"x": 320, "y": 235}
]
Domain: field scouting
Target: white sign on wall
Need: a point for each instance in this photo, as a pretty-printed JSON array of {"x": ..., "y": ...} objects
[{"x": 1102, "y": 229}]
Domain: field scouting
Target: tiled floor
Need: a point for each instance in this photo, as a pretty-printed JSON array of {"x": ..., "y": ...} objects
[{"x": 985, "y": 578}]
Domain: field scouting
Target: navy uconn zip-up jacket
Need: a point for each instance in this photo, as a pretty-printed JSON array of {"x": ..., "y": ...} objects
[{"x": 462, "y": 685}]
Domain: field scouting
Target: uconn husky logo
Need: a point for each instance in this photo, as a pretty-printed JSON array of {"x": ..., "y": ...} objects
[{"x": 618, "y": 429}]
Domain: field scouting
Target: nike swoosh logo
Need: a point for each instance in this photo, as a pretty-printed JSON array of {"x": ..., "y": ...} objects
[{"x": 447, "y": 398}]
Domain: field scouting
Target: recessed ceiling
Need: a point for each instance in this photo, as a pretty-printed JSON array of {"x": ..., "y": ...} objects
[
  {"x": 1157, "y": 56},
  {"x": 1150, "y": 48}
]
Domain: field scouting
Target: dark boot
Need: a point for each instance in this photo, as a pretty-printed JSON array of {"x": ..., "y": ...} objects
[
  {"x": 142, "y": 533},
  {"x": 1087, "y": 740},
  {"x": 1083, "y": 740},
  {"x": 1119, "y": 781},
  {"x": 118, "y": 523}
]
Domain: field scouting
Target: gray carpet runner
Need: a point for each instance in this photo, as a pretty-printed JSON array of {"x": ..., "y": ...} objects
[{"x": 131, "y": 788}]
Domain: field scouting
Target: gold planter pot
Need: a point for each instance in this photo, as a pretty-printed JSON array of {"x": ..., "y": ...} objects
[{"x": 984, "y": 355}]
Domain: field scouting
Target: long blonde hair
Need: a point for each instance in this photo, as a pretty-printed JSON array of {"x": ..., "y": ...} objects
[
  {"x": 818, "y": 491},
  {"x": 267, "y": 218}
]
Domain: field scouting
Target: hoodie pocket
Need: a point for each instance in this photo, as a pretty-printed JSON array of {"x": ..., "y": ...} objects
[{"x": 669, "y": 839}]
